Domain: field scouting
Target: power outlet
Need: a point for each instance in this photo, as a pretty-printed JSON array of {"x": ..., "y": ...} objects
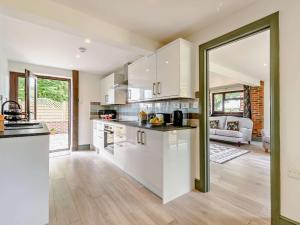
[
  {"x": 294, "y": 173},
  {"x": 195, "y": 105},
  {"x": 176, "y": 105},
  {"x": 185, "y": 105}
]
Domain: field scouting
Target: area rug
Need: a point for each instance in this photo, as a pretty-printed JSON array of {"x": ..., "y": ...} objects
[{"x": 221, "y": 154}]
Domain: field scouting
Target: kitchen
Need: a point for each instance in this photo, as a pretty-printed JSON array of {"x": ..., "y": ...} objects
[
  {"x": 132, "y": 73},
  {"x": 144, "y": 124}
]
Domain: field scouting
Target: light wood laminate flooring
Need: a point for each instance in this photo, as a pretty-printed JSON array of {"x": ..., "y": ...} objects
[{"x": 88, "y": 190}]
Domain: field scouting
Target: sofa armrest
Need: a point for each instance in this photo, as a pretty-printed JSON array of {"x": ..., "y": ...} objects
[{"x": 247, "y": 134}]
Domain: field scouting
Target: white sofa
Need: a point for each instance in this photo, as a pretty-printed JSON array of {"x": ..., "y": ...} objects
[{"x": 243, "y": 135}]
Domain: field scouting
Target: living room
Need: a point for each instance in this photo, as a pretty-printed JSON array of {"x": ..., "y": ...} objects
[{"x": 239, "y": 122}]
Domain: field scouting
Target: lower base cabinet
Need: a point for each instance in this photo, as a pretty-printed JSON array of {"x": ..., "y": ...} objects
[{"x": 161, "y": 161}]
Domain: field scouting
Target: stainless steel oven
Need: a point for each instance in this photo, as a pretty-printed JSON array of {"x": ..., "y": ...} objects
[{"x": 109, "y": 138}]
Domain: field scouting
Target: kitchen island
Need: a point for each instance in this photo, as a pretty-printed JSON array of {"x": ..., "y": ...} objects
[
  {"x": 159, "y": 157},
  {"x": 24, "y": 173}
]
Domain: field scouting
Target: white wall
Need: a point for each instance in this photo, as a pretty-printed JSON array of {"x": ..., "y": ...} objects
[
  {"x": 289, "y": 85},
  {"x": 37, "y": 69},
  {"x": 4, "y": 78},
  {"x": 89, "y": 90},
  {"x": 267, "y": 105}
]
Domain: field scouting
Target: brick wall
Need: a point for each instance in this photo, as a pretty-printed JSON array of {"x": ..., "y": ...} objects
[{"x": 257, "y": 109}]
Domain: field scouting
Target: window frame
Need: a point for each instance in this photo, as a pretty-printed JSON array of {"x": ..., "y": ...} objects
[{"x": 221, "y": 113}]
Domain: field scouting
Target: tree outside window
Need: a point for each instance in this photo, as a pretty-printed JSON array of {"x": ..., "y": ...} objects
[{"x": 228, "y": 103}]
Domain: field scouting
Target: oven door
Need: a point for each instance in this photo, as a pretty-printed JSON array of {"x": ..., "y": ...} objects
[{"x": 109, "y": 141}]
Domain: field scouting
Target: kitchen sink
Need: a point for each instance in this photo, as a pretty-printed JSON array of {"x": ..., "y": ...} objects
[{"x": 22, "y": 125}]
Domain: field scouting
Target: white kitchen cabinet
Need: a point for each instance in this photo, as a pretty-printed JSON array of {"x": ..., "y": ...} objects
[
  {"x": 161, "y": 161},
  {"x": 97, "y": 141},
  {"x": 111, "y": 92},
  {"x": 142, "y": 79},
  {"x": 174, "y": 70},
  {"x": 165, "y": 74}
]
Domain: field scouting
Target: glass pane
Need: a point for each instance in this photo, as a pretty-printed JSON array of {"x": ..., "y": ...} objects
[
  {"x": 233, "y": 106},
  {"x": 234, "y": 95},
  {"x": 21, "y": 92},
  {"x": 32, "y": 95},
  {"x": 53, "y": 109},
  {"x": 218, "y": 99}
]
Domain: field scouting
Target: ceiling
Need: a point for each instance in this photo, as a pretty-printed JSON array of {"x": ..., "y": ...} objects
[
  {"x": 249, "y": 56},
  {"x": 30, "y": 43},
  {"x": 161, "y": 20}
]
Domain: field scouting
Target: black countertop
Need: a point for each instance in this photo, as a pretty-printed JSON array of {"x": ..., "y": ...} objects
[
  {"x": 163, "y": 128},
  {"x": 25, "y": 132}
]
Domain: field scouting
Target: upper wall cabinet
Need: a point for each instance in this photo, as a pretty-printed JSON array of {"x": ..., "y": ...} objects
[
  {"x": 142, "y": 79},
  {"x": 165, "y": 74},
  {"x": 174, "y": 70},
  {"x": 110, "y": 92}
]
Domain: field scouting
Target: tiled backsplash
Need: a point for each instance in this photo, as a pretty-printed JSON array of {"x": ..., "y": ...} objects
[{"x": 129, "y": 112}]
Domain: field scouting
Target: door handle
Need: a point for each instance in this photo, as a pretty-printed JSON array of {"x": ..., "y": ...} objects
[
  {"x": 158, "y": 88},
  {"x": 153, "y": 89},
  {"x": 143, "y": 138},
  {"x": 138, "y": 137}
]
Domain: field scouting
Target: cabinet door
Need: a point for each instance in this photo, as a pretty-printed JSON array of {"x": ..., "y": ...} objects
[
  {"x": 142, "y": 79},
  {"x": 151, "y": 160},
  {"x": 135, "y": 80},
  {"x": 168, "y": 70},
  {"x": 107, "y": 90},
  {"x": 149, "y": 78}
]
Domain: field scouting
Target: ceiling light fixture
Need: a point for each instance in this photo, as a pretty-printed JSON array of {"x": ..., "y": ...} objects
[
  {"x": 265, "y": 64},
  {"x": 88, "y": 41},
  {"x": 219, "y": 6},
  {"x": 82, "y": 49}
]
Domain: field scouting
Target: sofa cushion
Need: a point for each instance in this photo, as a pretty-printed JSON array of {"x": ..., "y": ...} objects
[
  {"x": 214, "y": 124},
  {"x": 243, "y": 122},
  {"x": 212, "y": 131},
  {"x": 233, "y": 125},
  {"x": 229, "y": 133},
  {"x": 222, "y": 120}
]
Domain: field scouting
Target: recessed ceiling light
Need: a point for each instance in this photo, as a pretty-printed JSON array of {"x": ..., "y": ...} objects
[
  {"x": 219, "y": 6},
  {"x": 88, "y": 41},
  {"x": 77, "y": 56},
  {"x": 265, "y": 64}
]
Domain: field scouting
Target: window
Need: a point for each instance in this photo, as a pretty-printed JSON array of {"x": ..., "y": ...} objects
[{"x": 228, "y": 103}]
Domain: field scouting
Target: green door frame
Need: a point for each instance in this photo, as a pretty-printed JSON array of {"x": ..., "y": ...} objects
[{"x": 268, "y": 23}]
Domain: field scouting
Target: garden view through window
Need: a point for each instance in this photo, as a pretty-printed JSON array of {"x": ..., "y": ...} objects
[{"x": 228, "y": 102}]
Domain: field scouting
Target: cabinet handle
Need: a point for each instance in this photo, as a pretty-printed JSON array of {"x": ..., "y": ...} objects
[
  {"x": 143, "y": 137},
  {"x": 158, "y": 88},
  {"x": 153, "y": 89},
  {"x": 138, "y": 137},
  {"x": 129, "y": 94}
]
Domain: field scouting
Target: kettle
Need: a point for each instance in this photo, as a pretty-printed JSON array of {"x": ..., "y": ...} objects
[{"x": 178, "y": 118}]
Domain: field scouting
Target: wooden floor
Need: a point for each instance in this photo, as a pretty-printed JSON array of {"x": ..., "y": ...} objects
[{"x": 87, "y": 190}]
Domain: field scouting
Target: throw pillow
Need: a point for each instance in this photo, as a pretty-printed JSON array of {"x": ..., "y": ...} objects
[
  {"x": 233, "y": 125},
  {"x": 214, "y": 124}
]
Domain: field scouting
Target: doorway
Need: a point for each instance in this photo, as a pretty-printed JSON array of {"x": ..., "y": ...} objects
[
  {"x": 268, "y": 23},
  {"x": 49, "y": 102}
]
